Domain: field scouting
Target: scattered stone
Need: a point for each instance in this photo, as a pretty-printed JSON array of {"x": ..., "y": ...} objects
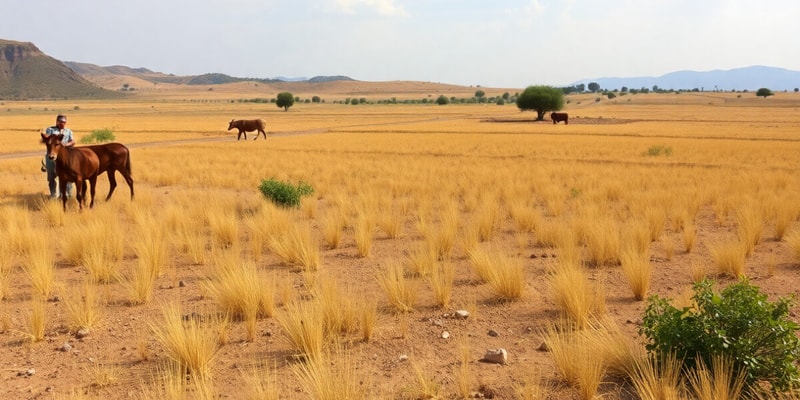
[
  {"x": 181, "y": 283},
  {"x": 66, "y": 347},
  {"x": 445, "y": 335},
  {"x": 82, "y": 333},
  {"x": 496, "y": 356},
  {"x": 462, "y": 314},
  {"x": 437, "y": 322},
  {"x": 493, "y": 333},
  {"x": 543, "y": 347},
  {"x": 30, "y": 372},
  {"x": 403, "y": 357}
]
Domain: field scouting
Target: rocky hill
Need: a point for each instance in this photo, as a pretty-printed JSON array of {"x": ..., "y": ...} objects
[
  {"x": 94, "y": 71},
  {"x": 27, "y": 73}
]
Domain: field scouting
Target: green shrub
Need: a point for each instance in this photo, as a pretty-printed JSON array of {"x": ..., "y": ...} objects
[
  {"x": 98, "y": 136},
  {"x": 284, "y": 194},
  {"x": 739, "y": 323},
  {"x": 659, "y": 150}
]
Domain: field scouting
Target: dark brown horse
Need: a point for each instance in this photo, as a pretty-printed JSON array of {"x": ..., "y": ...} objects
[
  {"x": 558, "y": 117},
  {"x": 113, "y": 157},
  {"x": 73, "y": 164},
  {"x": 249, "y": 125}
]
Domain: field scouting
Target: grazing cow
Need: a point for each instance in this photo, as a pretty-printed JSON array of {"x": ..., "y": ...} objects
[
  {"x": 249, "y": 125},
  {"x": 73, "y": 164},
  {"x": 558, "y": 117}
]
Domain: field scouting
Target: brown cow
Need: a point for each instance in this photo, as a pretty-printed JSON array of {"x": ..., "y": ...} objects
[
  {"x": 558, "y": 117},
  {"x": 249, "y": 125}
]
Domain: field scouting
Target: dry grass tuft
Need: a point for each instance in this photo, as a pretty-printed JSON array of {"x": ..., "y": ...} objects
[
  {"x": 191, "y": 345},
  {"x": 729, "y": 257},
  {"x": 402, "y": 292},
  {"x": 305, "y": 329},
  {"x": 637, "y": 270}
]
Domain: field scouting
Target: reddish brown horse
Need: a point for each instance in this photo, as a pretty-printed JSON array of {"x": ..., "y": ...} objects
[
  {"x": 558, "y": 117},
  {"x": 73, "y": 164},
  {"x": 113, "y": 157},
  {"x": 249, "y": 125}
]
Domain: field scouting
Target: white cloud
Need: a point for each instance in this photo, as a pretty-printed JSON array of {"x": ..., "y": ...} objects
[{"x": 387, "y": 8}]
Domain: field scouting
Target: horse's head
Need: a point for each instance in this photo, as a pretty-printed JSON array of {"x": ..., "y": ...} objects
[{"x": 53, "y": 143}]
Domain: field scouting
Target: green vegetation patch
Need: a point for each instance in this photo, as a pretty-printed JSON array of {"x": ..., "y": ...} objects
[
  {"x": 284, "y": 194},
  {"x": 98, "y": 136},
  {"x": 739, "y": 323}
]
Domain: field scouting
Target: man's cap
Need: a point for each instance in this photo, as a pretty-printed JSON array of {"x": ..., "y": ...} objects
[{"x": 61, "y": 118}]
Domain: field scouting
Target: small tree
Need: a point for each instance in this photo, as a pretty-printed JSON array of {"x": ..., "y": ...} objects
[
  {"x": 764, "y": 92},
  {"x": 541, "y": 99},
  {"x": 284, "y": 100},
  {"x": 479, "y": 94},
  {"x": 315, "y": 99},
  {"x": 594, "y": 87},
  {"x": 442, "y": 100}
]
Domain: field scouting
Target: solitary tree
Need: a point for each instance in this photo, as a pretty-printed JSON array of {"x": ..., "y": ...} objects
[
  {"x": 764, "y": 92},
  {"x": 594, "y": 87},
  {"x": 285, "y": 100},
  {"x": 442, "y": 100},
  {"x": 541, "y": 99}
]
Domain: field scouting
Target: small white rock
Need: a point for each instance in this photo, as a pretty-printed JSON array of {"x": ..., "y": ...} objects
[
  {"x": 445, "y": 335},
  {"x": 497, "y": 356}
]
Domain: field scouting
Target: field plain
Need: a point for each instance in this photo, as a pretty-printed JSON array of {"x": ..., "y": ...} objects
[{"x": 418, "y": 211}]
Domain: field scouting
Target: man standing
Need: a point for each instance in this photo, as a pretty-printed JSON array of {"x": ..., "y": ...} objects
[{"x": 50, "y": 165}]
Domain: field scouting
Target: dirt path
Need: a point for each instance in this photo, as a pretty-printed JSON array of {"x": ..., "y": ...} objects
[{"x": 231, "y": 137}]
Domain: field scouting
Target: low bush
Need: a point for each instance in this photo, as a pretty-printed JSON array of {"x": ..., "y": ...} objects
[
  {"x": 98, "y": 136},
  {"x": 284, "y": 194},
  {"x": 739, "y": 323}
]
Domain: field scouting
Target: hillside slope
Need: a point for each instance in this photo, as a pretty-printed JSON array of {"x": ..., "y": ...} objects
[{"x": 27, "y": 73}]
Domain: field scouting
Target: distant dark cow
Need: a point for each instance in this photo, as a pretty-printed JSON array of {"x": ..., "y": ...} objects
[
  {"x": 249, "y": 125},
  {"x": 558, "y": 117}
]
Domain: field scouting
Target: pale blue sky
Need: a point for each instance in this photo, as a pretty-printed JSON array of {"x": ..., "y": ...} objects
[{"x": 492, "y": 43}]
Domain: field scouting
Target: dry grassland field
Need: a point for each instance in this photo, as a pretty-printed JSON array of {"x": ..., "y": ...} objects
[{"x": 433, "y": 235}]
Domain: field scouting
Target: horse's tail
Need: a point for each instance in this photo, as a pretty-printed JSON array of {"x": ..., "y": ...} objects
[{"x": 128, "y": 161}]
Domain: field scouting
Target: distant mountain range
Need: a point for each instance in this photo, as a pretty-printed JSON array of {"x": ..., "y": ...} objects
[
  {"x": 27, "y": 73},
  {"x": 747, "y": 78}
]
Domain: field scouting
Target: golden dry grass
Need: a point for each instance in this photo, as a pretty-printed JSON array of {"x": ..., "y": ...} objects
[{"x": 423, "y": 187}]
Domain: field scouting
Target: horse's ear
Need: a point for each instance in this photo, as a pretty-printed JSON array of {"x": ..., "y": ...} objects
[{"x": 44, "y": 138}]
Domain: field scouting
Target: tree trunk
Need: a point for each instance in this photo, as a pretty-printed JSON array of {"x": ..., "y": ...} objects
[{"x": 540, "y": 115}]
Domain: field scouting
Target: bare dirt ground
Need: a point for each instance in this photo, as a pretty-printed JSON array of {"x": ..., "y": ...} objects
[{"x": 428, "y": 339}]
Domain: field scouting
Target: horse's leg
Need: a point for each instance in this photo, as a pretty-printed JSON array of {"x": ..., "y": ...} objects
[
  {"x": 112, "y": 183},
  {"x": 79, "y": 191},
  {"x": 128, "y": 179},
  {"x": 93, "y": 181},
  {"x": 62, "y": 187}
]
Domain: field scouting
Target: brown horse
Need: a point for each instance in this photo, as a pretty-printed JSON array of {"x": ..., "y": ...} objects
[
  {"x": 73, "y": 164},
  {"x": 113, "y": 157},
  {"x": 558, "y": 117},
  {"x": 248, "y": 125}
]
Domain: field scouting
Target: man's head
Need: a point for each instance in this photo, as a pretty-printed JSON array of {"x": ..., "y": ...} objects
[{"x": 61, "y": 119}]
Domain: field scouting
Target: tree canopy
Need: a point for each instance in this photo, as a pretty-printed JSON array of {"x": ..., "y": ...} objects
[
  {"x": 541, "y": 99},
  {"x": 764, "y": 92},
  {"x": 285, "y": 100}
]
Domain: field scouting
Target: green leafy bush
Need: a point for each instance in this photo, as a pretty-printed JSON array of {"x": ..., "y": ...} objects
[
  {"x": 284, "y": 194},
  {"x": 659, "y": 150},
  {"x": 739, "y": 323},
  {"x": 98, "y": 136}
]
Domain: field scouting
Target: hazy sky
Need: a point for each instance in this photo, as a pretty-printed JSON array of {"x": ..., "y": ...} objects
[{"x": 492, "y": 43}]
